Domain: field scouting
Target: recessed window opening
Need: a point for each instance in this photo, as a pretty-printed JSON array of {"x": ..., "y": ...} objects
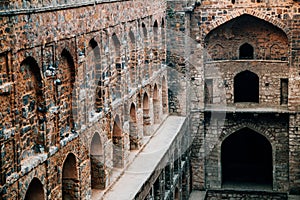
[
  {"x": 246, "y": 51},
  {"x": 246, "y": 87}
]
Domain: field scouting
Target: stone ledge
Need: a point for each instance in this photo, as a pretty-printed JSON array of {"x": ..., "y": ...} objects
[
  {"x": 16, "y": 11},
  {"x": 137, "y": 173},
  {"x": 237, "y": 109},
  {"x": 246, "y": 60}
]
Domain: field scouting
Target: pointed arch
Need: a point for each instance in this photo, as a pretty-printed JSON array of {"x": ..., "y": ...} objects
[
  {"x": 155, "y": 29},
  {"x": 133, "y": 135},
  {"x": 246, "y": 157},
  {"x": 144, "y": 29},
  {"x": 117, "y": 71},
  {"x": 35, "y": 190},
  {"x": 155, "y": 47},
  {"x": 66, "y": 91},
  {"x": 146, "y": 68},
  {"x": 163, "y": 42},
  {"x": 133, "y": 58},
  {"x": 240, "y": 29},
  {"x": 97, "y": 166},
  {"x": 246, "y": 51},
  {"x": 156, "y": 105},
  {"x": 164, "y": 95},
  {"x": 97, "y": 71},
  {"x": 146, "y": 115},
  {"x": 263, "y": 16},
  {"x": 29, "y": 86},
  {"x": 118, "y": 143},
  {"x": 277, "y": 53},
  {"x": 70, "y": 181},
  {"x": 246, "y": 87}
]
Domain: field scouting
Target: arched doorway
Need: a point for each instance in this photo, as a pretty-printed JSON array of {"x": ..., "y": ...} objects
[
  {"x": 97, "y": 167},
  {"x": 35, "y": 190},
  {"x": 246, "y": 158},
  {"x": 70, "y": 182},
  {"x": 246, "y": 87}
]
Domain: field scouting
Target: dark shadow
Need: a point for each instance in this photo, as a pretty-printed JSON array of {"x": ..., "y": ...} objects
[
  {"x": 246, "y": 158},
  {"x": 246, "y": 51},
  {"x": 246, "y": 87}
]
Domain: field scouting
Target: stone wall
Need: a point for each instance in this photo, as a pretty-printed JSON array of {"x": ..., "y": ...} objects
[
  {"x": 219, "y": 29},
  {"x": 235, "y": 195},
  {"x": 70, "y": 71}
]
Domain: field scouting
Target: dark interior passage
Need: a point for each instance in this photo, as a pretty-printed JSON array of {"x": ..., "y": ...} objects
[
  {"x": 246, "y": 158},
  {"x": 246, "y": 87}
]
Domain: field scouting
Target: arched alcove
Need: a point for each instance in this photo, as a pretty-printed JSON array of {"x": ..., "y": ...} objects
[
  {"x": 155, "y": 48},
  {"x": 238, "y": 37},
  {"x": 146, "y": 115},
  {"x": 70, "y": 182},
  {"x": 144, "y": 29},
  {"x": 246, "y": 51},
  {"x": 29, "y": 87},
  {"x": 164, "y": 94},
  {"x": 65, "y": 91},
  {"x": 246, "y": 159},
  {"x": 118, "y": 68},
  {"x": 133, "y": 59},
  {"x": 133, "y": 135},
  {"x": 163, "y": 42},
  {"x": 155, "y": 29},
  {"x": 35, "y": 190},
  {"x": 118, "y": 147},
  {"x": 97, "y": 165},
  {"x": 246, "y": 87},
  {"x": 96, "y": 64},
  {"x": 155, "y": 105},
  {"x": 146, "y": 42}
]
